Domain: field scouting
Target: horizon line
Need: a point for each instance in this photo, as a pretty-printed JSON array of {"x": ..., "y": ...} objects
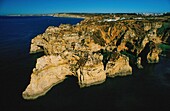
[{"x": 83, "y": 13}]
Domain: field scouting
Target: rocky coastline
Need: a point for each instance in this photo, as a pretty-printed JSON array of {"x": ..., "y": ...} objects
[{"x": 94, "y": 49}]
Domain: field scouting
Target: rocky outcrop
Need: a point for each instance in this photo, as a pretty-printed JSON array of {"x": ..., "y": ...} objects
[
  {"x": 153, "y": 55},
  {"x": 118, "y": 67},
  {"x": 93, "y": 50},
  {"x": 50, "y": 70},
  {"x": 138, "y": 63},
  {"x": 164, "y": 32},
  {"x": 92, "y": 72}
]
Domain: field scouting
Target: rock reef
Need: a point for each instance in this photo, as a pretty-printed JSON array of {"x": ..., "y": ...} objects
[{"x": 93, "y": 50}]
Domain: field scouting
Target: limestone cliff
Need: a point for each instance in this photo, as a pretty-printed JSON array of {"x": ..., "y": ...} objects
[
  {"x": 50, "y": 70},
  {"x": 92, "y": 50},
  {"x": 92, "y": 72},
  {"x": 118, "y": 67}
]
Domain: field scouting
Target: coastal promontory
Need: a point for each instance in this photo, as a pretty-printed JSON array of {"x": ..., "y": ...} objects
[{"x": 98, "y": 47}]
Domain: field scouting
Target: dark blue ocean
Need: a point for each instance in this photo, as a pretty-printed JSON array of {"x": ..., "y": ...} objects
[{"x": 146, "y": 90}]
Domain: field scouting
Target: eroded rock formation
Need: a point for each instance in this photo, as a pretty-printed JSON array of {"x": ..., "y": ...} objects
[
  {"x": 50, "y": 70},
  {"x": 118, "y": 67},
  {"x": 92, "y": 50},
  {"x": 92, "y": 71}
]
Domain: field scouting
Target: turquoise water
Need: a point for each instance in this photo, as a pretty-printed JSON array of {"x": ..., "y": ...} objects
[{"x": 146, "y": 89}]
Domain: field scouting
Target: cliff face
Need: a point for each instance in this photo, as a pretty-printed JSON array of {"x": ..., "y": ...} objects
[
  {"x": 92, "y": 50},
  {"x": 92, "y": 71},
  {"x": 118, "y": 67},
  {"x": 50, "y": 70}
]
